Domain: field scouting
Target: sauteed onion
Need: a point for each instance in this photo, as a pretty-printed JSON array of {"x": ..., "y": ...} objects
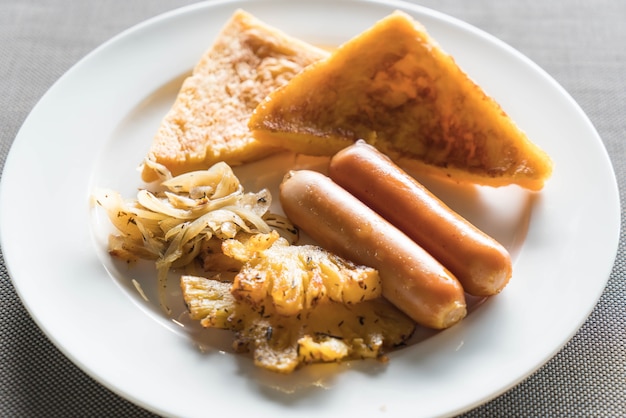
[{"x": 169, "y": 225}]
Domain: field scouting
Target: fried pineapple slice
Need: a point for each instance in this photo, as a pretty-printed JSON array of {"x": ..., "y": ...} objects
[
  {"x": 210, "y": 302},
  {"x": 327, "y": 332},
  {"x": 296, "y": 277},
  {"x": 296, "y": 304},
  {"x": 394, "y": 86},
  {"x": 213, "y": 259}
]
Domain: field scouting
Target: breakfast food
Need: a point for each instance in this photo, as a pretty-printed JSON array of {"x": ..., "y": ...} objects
[
  {"x": 296, "y": 277},
  {"x": 297, "y": 304},
  {"x": 389, "y": 254},
  {"x": 411, "y": 278},
  {"x": 480, "y": 263},
  {"x": 326, "y": 332},
  {"x": 183, "y": 220},
  {"x": 208, "y": 121},
  {"x": 288, "y": 304},
  {"x": 394, "y": 86}
]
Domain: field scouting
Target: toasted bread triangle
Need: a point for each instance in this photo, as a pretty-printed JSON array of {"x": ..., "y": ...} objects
[
  {"x": 394, "y": 87},
  {"x": 208, "y": 120}
]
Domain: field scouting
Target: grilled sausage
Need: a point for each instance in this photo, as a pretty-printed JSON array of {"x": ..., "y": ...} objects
[
  {"x": 480, "y": 263},
  {"x": 411, "y": 278}
]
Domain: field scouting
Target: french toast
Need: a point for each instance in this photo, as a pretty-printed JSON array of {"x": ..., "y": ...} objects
[
  {"x": 394, "y": 87},
  {"x": 208, "y": 121}
]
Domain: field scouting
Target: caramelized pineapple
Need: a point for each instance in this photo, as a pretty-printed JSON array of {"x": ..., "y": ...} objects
[
  {"x": 209, "y": 301},
  {"x": 213, "y": 259},
  {"x": 326, "y": 332},
  {"x": 297, "y": 304},
  {"x": 297, "y": 277}
]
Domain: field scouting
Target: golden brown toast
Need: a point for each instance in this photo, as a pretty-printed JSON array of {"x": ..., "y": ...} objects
[
  {"x": 394, "y": 87},
  {"x": 208, "y": 120}
]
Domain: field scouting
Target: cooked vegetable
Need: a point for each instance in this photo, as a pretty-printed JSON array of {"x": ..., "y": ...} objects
[
  {"x": 173, "y": 226},
  {"x": 288, "y": 304}
]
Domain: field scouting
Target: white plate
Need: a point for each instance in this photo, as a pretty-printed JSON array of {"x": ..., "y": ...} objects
[{"x": 94, "y": 126}]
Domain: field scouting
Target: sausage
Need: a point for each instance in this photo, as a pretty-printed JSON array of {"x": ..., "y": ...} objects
[
  {"x": 479, "y": 262},
  {"x": 411, "y": 278}
]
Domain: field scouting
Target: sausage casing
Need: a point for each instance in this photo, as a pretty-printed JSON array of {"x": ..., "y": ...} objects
[
  {"x": 411, "y": 278},
  {"x": 480, "y": 263}
]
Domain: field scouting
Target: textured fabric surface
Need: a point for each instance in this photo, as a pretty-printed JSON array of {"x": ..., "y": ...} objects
[{"x": 580, "y": 43}]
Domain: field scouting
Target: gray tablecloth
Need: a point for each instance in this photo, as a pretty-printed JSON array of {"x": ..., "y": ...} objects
[{"x": 581, "y": 43}]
